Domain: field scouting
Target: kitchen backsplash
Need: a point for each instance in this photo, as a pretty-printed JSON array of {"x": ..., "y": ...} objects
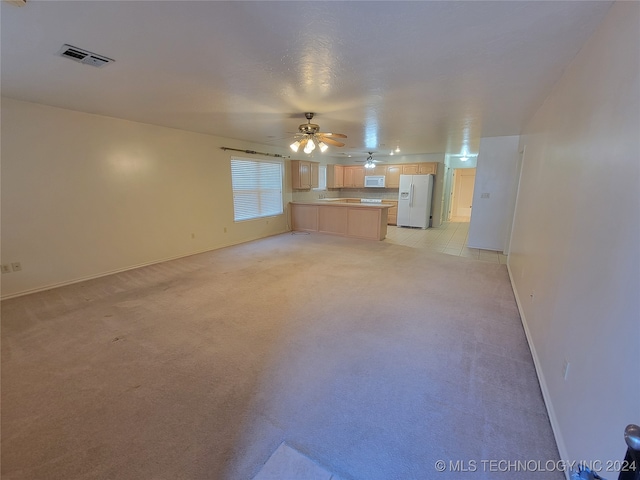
[
  {"x": 309, "y": 196},
  {"x": 388, "y": 193}
]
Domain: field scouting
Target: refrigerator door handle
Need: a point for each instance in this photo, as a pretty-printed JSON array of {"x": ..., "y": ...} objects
[{"x": 411, "y": 196}]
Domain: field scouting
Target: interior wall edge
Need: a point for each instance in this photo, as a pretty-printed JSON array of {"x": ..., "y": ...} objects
[{"x": 546, "y": 395}]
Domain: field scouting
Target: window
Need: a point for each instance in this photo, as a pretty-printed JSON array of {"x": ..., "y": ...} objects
[
  {"x": 322, "y": 178},
  {"x": 257, "y": 188}
]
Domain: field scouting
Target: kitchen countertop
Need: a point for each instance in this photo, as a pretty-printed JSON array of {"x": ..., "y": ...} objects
[
  {"x": 342, "y": 203},
  {"x": 337, "y": 199}
]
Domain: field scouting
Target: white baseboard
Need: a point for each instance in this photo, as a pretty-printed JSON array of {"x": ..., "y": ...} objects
[
  {"x": 562, "y": 450},
  {"x": 126, "y": 269}
]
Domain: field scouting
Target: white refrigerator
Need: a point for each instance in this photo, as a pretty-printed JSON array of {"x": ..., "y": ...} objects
[{"x": 414, "y": 200}]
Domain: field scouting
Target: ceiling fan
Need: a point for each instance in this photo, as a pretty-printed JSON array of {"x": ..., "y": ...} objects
[
  {"x": 310, "y": 137},
  {"x": 370, "y": 162}
]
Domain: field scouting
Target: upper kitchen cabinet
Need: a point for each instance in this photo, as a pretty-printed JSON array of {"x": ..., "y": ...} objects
[
  {"x": 354, "y": 176},
  {"x": 428, "y": 168},
  {"x": 410, "y": 169},
  {"x": 304, "y": 174},
  {"x": 335, "y": 176},
  {"x": 378, "y": 170},
  {"x": 393, "y": 176}
]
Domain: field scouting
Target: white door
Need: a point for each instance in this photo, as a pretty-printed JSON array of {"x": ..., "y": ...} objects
[{"x": 465, "y": 179}]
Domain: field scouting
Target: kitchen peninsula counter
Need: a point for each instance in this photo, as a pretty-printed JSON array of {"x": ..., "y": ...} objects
[{"x": 358, "y": 220}]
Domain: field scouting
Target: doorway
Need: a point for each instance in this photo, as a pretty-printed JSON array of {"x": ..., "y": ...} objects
[{"x": 462, "y": 193}]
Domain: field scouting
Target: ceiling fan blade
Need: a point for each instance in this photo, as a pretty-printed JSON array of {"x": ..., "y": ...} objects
[
  {"x": 330, "y": 141},
  {"x": 337, "y": 135},
  {"x": 303, "y": 143}
]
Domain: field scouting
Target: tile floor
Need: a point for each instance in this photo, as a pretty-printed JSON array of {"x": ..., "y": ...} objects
[{"x": 450, "y": 238}]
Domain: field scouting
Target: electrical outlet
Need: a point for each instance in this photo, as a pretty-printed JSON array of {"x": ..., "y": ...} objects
[
  {"x": 193, "y": 235},
  {"x": 16, "y": 266},
  {"x": 565, "y": 369},
  {"x": 225, "y": 229},
  {"x": 485, "y": 195},
  {"x": 6, "y": 268}
]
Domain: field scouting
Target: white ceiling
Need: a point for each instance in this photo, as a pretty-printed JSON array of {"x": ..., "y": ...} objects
[{"x": 429, "y": 77}]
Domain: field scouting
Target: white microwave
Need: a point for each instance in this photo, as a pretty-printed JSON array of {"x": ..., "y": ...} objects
[{"x": 374, "y": 181}]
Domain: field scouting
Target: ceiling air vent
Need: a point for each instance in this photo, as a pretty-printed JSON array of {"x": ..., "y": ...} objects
[{"x": 83, "y": 56}]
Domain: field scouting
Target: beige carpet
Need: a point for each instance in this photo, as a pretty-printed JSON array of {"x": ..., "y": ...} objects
[{"x": 374, "y": 360}]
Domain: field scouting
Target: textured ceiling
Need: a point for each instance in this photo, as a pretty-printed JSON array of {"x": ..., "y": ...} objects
[{"x": 429, "y": 77}]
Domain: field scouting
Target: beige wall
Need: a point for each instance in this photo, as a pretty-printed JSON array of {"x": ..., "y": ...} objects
[
  {"x": 575, "y": 261},
  {"x": 84, "y": 195}
]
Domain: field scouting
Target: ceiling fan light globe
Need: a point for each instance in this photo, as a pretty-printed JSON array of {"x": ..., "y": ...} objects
[
  {"x": 323, "y": 146},
  {"x": 295, "y": 146},
  {"x": 309, "y": 147}
]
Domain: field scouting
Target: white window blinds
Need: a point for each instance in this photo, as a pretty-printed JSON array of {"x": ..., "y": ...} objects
[{"x": 257, "y": 188}]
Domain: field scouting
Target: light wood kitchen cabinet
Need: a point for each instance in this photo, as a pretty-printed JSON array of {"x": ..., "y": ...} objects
[
  {"x": 335, "y": 176},
  {"x": 378, "y": 170},
  {"x": 392, "y": 216},
  {"x": 305, "y": 218},
  {"x": 410, "y": 169},
  {"x": 304, "y": 174},
  {"x": 393, "y": 176},
  {"x": 427, "y": 168},
  {"x": 348, "y": 177},
  {"x": 354, "y": 176},
  {"x": 358, "y": 177},
  {"x": 358, "y": 221}
]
